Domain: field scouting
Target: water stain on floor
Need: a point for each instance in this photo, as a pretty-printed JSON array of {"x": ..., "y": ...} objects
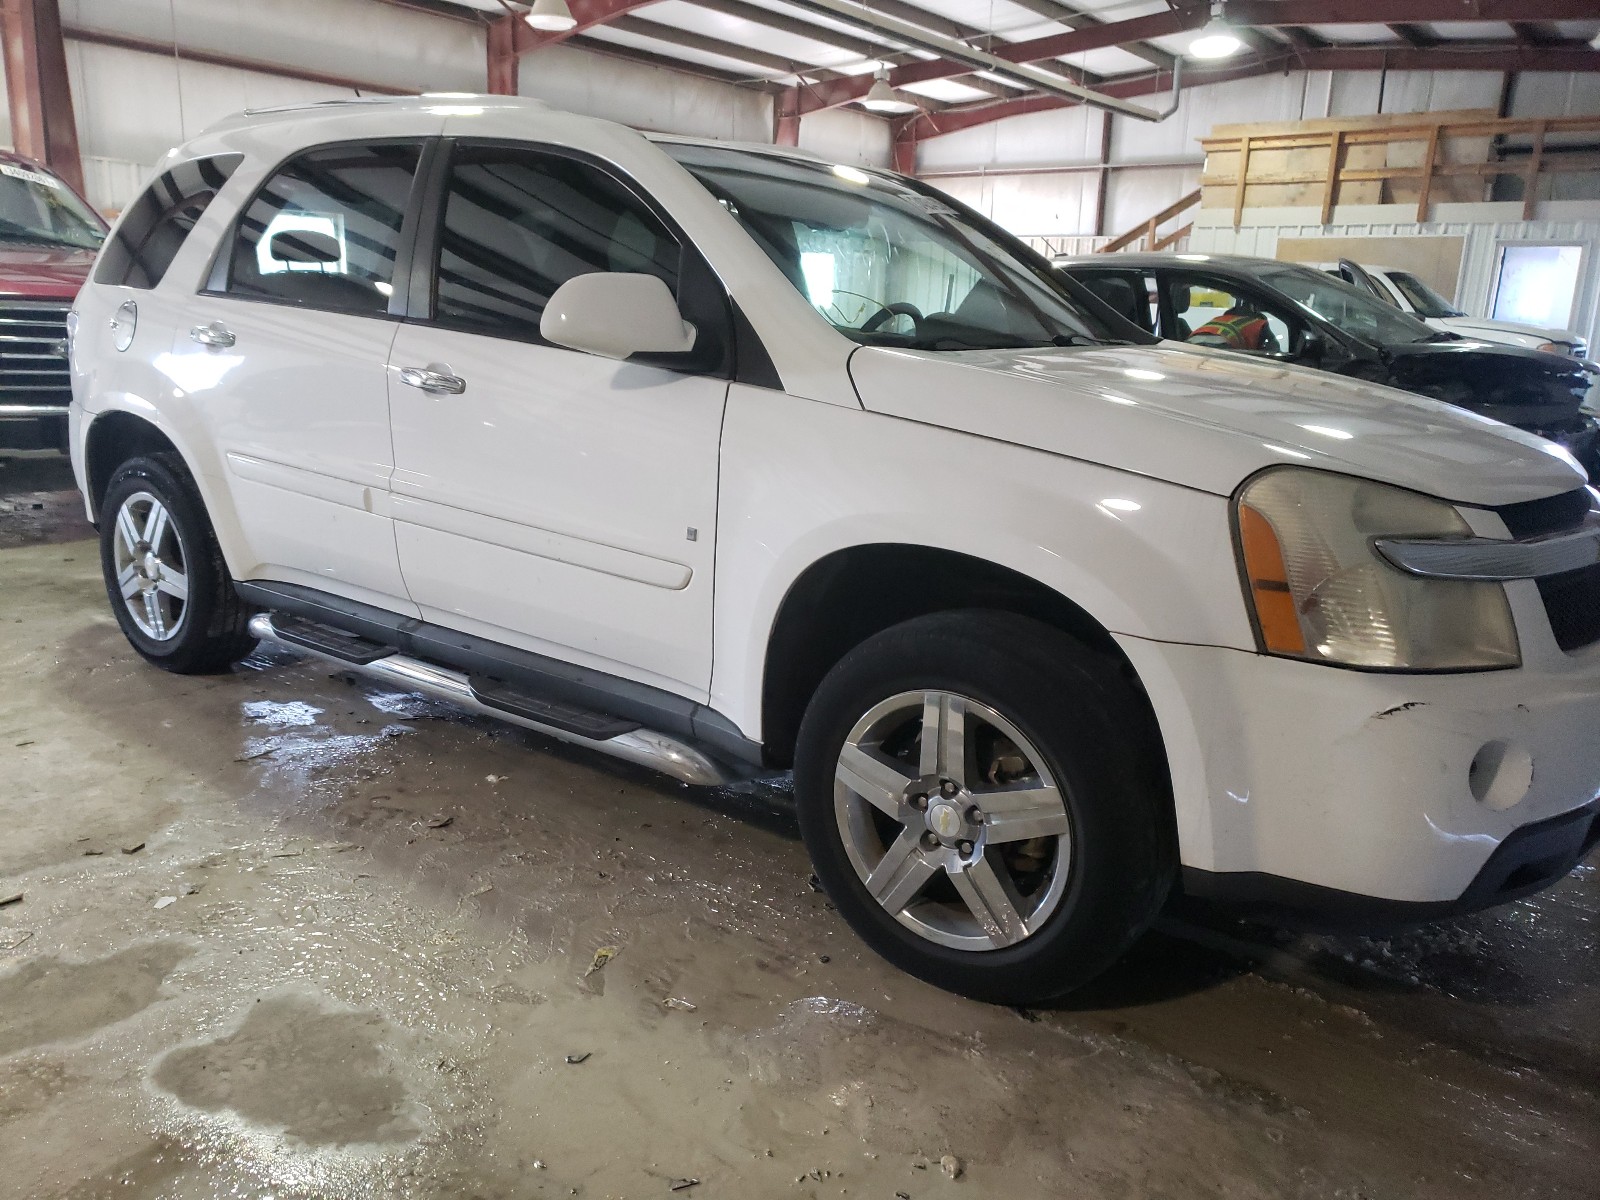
[
  {"x": 319, "y": 1076},
  {"x": 53, "y": 1000}
]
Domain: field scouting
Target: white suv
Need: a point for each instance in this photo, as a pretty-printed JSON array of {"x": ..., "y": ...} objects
[{"x": 730, "y": 459}]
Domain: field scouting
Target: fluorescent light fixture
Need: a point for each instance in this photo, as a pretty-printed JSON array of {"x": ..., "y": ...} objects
[
  {"x": 881, "y": 98},
  {"x": 1216, "y": 40},
  {"x": 552, "y": 16}
]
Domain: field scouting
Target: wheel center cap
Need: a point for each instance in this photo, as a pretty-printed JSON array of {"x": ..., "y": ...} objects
[
  {"x": 945, "y": 819},
  {"x": 149, "y": 567}
]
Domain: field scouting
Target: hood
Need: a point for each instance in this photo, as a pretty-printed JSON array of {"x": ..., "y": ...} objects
[
  {"x": 1484, "y": 325},
  {"x": 1208, "y": 419},
  {"x": 1469, "y": 354},
  {"x": 43, "y": 272}
]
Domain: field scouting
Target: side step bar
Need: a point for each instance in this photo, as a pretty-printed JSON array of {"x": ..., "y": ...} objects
[{"x": 646, "y": 747}]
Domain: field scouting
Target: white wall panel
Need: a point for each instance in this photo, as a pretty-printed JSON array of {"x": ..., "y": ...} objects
[
  {"x": 1028, "y": 204},
  {"x": 656, "y": 98},
  {"x": 381, "y": 43},
  {"x": 846, "y": 136},
  {"x": 1063, "y": 136}
]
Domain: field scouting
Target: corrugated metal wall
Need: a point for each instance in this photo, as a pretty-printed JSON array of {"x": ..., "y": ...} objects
[{"x": 132, "y": 106}]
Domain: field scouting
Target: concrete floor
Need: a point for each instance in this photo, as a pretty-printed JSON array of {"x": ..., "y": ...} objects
[{"x": 284, "y": 935}]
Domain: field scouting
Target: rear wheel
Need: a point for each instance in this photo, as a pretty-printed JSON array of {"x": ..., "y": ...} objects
[
  {"x": 985, "y": 801},
  {"x": 168, "y": 586}
]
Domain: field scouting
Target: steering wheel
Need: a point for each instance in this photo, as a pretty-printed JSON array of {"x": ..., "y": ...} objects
[{"x": 898, "y": 309}]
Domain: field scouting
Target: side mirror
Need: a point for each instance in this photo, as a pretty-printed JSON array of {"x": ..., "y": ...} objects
[
  {"x": 616, "y": 314},
  {"x": 1312, "y": 347}
]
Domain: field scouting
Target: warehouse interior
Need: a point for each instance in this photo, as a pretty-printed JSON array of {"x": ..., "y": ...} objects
[{"x": 284, "y": 931}]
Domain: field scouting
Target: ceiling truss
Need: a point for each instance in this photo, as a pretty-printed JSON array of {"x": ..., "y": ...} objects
[{"x": 934, "y": 61}]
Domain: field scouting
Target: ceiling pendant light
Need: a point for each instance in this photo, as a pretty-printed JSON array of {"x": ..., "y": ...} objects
[
  {"x": 880, "y": 98},
  {"x": 552, "y": 16},
  {"x": 1217, "y": 40}
]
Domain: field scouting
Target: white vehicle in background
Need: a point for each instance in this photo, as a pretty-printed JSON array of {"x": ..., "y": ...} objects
[
  {"x": 730, "y": 459},
  {"x": 1407, "y": 292}
]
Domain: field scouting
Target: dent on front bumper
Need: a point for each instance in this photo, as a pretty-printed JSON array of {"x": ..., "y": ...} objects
[{"x": 1305, "y": 787}]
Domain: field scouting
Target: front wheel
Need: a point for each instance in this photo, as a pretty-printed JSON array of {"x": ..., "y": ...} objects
[
  {"x": 985, "y": 800},
  {"x": 164, "y": 573}
]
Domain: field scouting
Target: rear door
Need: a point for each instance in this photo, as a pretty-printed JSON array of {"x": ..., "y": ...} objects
[
  {"x": 287, "y": 354},
  {"x": 545, "y": 498}
]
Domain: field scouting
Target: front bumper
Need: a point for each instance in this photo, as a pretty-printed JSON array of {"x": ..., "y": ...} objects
[
  {"x": 1332, "y": 784},
  {"x": 33, "y": 427},
  {"x": 1529, "y": 860}
]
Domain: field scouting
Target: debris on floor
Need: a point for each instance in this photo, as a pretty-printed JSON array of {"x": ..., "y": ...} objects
[
  {"x": 601, "y": 957},
  {"x": 951, "y": 1166},
  {"x": 680, "y": 1005},
  {"x": 574, "y": 1059},
  {"x": 14, "y": 898}
]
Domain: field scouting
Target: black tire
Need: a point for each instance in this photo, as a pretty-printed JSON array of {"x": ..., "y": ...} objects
[
  {"x": 211, "y": 632},
  {"x": 1096, "y": 734}
]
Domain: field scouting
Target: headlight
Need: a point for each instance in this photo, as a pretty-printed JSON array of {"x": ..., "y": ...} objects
[{"x": 1317, "y": 590}]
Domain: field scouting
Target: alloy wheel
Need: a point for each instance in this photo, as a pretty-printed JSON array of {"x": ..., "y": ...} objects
[
  {"x": 952, "y": 820},
  {"x": 151, "y": 564}
]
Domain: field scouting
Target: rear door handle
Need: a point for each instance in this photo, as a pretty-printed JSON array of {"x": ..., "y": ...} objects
[
  {"x": 216, "y": 335},
  {"x": 435, "y": 378}
]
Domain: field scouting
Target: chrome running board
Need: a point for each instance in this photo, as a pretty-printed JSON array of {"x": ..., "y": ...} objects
[{"x": 646, "y": 747}]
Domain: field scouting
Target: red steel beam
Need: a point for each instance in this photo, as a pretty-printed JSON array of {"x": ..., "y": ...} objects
[
  {"x": 42, "y": 123},
  {"x": 588, "y": 14},
  {"x": 813, "y": 97},
  {"x": 168, "y": 50},
  {"x": 502, "y": 67},
  {"x": 1493, "y": 56}
]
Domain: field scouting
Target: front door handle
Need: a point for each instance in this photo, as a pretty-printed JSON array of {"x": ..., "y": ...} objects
[
  {"x": 434, "y": 378},
  {"x": 216, "y": 335}
]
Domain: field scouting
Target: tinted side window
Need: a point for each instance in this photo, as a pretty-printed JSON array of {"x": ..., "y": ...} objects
[
  {"x": 324, "y": 231},
  {"x": 160, "y": 221},
  {"x": 518, "y": 223},
  {"x": 1125, "y": 292},
  {"x": 1213, "y": 312}
]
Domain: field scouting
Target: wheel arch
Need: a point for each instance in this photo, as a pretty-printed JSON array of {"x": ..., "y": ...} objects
[
  {"x": 850, "y": 594},
  {"x": 112, "y": 439}
]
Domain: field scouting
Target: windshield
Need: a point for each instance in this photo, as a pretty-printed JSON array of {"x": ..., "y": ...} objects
[
  {"x": 1349, "y": 308},
  {"x": 1424, "y": 299},
  {"x": 37, "y": 207},
  {"x": 888, "y": 264}
]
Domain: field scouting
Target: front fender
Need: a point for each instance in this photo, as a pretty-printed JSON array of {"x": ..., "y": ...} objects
[{"x": 801, "y": 480}]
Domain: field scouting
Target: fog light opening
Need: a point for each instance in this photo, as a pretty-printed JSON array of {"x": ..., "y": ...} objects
[{"x": 1500, "y": 775}]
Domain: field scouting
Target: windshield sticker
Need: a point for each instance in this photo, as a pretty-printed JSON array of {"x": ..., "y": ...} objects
[{"x": 49, "y": 181}]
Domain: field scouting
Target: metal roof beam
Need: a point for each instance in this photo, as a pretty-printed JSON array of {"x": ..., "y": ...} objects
[{"x": 1278, "y": 13}]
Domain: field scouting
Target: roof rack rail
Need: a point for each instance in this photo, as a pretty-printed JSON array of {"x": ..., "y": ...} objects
[{"x": 314, "y": 104}]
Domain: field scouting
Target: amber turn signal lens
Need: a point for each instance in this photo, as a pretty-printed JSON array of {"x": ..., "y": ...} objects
[{"x": 1269, "y": 584}]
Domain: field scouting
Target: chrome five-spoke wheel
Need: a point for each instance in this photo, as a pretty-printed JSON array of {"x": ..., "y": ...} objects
[
  {"x": 952, "y": 820},
  {"x": 151, "y": 566}
]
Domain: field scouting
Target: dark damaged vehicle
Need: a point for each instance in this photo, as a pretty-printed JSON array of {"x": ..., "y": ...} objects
[{"x": 1304, "y": 316}]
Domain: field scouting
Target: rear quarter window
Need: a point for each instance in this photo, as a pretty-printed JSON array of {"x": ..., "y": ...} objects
[{"x": 158, "y": 223}]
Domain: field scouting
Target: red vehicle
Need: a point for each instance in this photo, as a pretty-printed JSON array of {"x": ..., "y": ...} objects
[{"x": 49, "y": 236}]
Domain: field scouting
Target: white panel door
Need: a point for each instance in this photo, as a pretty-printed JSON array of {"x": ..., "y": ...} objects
[
  {"x": 561, "y": 502},
  {"x": 287, "y": 362}
]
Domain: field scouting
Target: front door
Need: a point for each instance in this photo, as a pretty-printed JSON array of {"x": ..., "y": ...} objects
[
  {"x": 286, "y": 358},
  {"x": 557, "y": 501}
]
